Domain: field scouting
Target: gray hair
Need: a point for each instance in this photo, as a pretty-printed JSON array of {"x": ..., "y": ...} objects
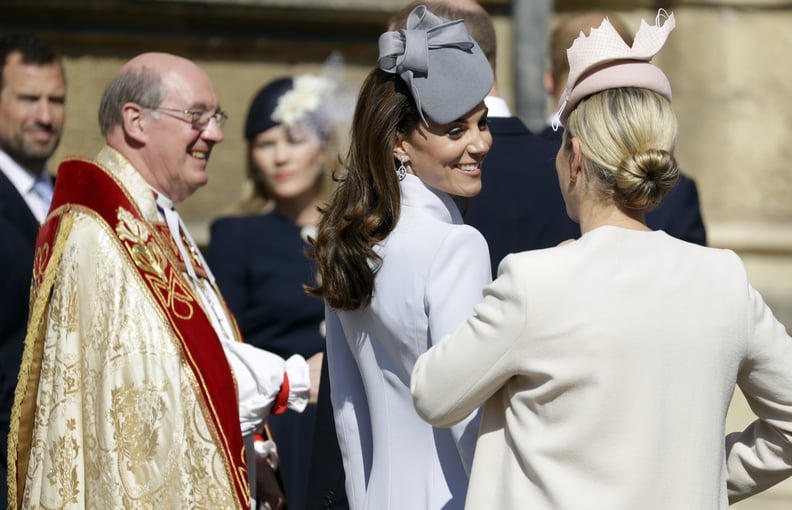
[{"x": 141, "y": 86}]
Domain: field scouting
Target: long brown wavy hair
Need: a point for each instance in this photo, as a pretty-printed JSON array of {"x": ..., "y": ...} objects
[{"x": 364, "y": 208}]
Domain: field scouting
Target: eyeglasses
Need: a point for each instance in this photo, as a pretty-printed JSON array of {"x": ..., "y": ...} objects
[{"x": 198, "y": 118}]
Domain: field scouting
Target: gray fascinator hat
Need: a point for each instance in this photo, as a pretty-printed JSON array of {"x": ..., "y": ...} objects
[{"x": 444, "y": 68}]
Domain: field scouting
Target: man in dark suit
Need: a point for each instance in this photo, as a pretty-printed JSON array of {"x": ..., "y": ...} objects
[
  {"x": 32, "y": 95},
  {"x": 679, "y": 213}
]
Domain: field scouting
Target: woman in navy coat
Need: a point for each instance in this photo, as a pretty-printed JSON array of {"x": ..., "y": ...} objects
[{"x": 259, "y": 259}]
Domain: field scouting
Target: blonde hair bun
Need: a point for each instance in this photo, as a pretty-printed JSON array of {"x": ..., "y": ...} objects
[{"x": 643, "y": 178}]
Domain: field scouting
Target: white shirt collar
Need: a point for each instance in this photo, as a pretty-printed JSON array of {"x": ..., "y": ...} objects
[
  {"x": 497, "y": 107},
  {"x": 162, "y": 200},
  {"x": 23, "y": 181}
]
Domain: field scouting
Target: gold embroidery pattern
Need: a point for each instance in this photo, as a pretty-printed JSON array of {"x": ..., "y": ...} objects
[
  {"x": 23, "y": 410},
  {"x": 148, "y": 256},
  {"x": 135, "y": 415},
  {"x": 63, "y": 453},
  {"x": 166, "y": 285},
  {"x": 144, "y": 247},
  {"x": 40, "y": 264}
]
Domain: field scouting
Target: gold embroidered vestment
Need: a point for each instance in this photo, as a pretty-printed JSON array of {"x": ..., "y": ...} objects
[{"x": 111, "y": 410}]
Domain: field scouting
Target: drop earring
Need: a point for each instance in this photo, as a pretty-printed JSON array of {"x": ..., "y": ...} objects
[{"x": 401, "y": 172}]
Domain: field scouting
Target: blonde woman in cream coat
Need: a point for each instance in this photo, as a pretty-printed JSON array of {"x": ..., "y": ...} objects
[{"x": 606, "y": 365}]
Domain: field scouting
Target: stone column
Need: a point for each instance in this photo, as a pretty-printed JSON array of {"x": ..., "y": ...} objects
[{"x": 531, "y": 19}]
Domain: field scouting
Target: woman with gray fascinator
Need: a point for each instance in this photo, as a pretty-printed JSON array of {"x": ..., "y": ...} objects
[
  {"x": 606, "y": 365},
  {"x": 398, "y": 268}
]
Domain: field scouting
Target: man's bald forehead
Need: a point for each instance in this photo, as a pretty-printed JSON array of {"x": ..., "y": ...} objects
[{"x": 157, "y": 61}]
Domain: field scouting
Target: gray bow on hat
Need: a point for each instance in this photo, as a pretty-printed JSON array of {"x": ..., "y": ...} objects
[{"x": 422, "y": 48}]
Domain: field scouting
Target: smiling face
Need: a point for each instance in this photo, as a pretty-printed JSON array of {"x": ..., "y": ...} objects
[
  {"x": 289, "y": 162},
  {"x": 448, "y": 157},
  {"x": 176, "y": 152},
  {"x": 31, "y": 111}
]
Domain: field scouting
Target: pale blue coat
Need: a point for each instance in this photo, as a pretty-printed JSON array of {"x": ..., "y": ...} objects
[{"x": 433, "y": 271}]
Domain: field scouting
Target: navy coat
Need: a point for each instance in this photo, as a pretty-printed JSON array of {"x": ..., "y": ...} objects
[
  {"x": 520, "y": 206},
  {"x": 260, "y": 267},
  {"x": 18, "y": 230}
]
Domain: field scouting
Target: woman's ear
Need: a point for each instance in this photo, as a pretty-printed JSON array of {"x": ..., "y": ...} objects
[
  {"x": 576, "y": 160},
  {"x": 134, "y": 122},
  {"x": 400, "y": 147}
]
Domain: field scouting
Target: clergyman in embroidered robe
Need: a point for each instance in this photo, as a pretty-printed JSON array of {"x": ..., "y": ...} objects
[{"x": 135, "y": 389}]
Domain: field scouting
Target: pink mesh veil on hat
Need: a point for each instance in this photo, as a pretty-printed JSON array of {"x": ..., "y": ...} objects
[{"x": 603, "y": 61}]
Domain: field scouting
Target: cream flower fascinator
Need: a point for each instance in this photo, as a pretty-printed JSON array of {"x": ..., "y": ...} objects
[
  {"x": 304, "y": 98},
  {"x": 322, "y": 101},
  {"x": 287, "y": 101},
  {"x": 604, "y": 61}
]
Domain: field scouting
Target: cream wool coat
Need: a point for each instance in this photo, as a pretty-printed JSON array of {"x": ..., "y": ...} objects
[
  {"x": 433, "y": 271},
  {"x": 606, "y": 368}
]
